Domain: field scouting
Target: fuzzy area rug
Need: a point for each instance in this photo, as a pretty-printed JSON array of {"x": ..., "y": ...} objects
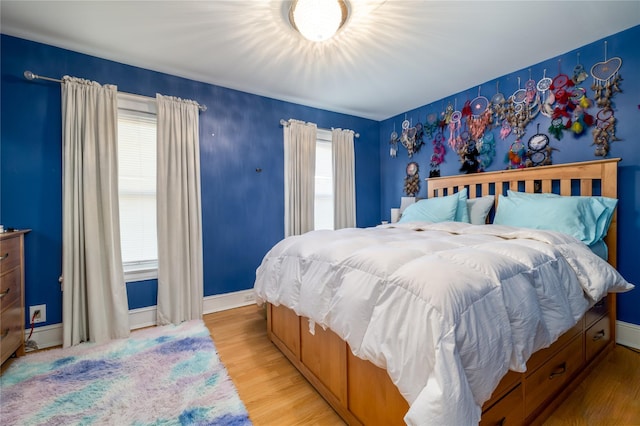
[{"x": 168, "y": 375}]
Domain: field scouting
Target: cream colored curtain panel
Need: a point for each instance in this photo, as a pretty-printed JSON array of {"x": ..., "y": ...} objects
[
  {"x": 344, "y": 183},
  {"x": 299, "y": 176},
  {"x": 180, "y": 276},
  {"x": 94, "y": 299}
]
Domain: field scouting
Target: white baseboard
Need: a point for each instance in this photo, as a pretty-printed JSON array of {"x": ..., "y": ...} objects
[
  {"x": 628, "y": 334},
  {"x": 51, "y": 335}
]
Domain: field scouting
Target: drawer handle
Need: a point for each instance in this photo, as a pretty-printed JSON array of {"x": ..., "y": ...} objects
[
  {"x": 501, "y": 422},
  {"x": 5, "y": 334},
  {"x": 4, "y": 257},
  {"x": 4, "y": 293},
  {"x": 599, "y": 335},
  {"x": 559, "y": 371}
]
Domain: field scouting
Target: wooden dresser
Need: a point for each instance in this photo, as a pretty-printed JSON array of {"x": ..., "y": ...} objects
[{"x": 11, "y": 294}]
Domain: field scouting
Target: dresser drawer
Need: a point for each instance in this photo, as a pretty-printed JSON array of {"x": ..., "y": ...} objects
[
  {"x": 11, "y": 331},
  {"x": 597, "y": 337},
  {"x": 508, "y": 411},
  {"x": 9, "y": 253},
  {"x": 10, "y": 287},
  {"x": 550, "y": 378},
  {"x": 596, "y": 312}
]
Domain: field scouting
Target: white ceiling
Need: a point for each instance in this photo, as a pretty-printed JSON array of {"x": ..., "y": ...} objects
[{"x": 392, "y": 56}]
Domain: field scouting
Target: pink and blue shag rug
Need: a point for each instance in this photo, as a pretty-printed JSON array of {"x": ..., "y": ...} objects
[{"x": 168, "y": 375}]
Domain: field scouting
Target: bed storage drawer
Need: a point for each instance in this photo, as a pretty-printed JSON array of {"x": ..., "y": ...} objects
[
  {"x": 325, "y": 355},
  {"x": 597, "y": 337},
  {"x": 373, "y": 398},
  {"x": 543, "y": 383},
  {"x": 506, "y": 384},
  {"x": 596, "y": 312},
  {"x": 285, "y": 324},
  {"x": 508, "y": 411},
  {"x": 539, "y": 358}
]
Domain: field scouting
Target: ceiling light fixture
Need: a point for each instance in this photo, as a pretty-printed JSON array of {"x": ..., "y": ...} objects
[{"x": 318, "y": 20}]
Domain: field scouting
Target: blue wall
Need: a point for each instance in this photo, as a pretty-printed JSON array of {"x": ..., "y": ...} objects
[
  {"x": 243, "y": 211},
  {"x": 571, "y": 149}
]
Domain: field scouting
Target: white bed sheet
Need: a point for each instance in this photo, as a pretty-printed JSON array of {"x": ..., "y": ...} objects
[{"x": 445, "y": 308}]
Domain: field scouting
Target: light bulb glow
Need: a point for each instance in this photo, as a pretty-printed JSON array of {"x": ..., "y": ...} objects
[{"x": 318, "y": 20}]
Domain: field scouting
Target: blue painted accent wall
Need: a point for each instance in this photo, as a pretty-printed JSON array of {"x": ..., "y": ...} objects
[
  {"x": 242, "y": 210},
  {"x": 571, "y": 149}
]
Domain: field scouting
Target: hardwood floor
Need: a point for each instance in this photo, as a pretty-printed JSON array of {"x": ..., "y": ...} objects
[{"x": 276, "y": 394}]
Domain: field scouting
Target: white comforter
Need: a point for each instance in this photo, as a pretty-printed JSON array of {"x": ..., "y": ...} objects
[{"x": 445, "y": 308}]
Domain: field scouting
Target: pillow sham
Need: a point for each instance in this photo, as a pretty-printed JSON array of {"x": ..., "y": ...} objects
[
  {"x": 575, "y": 216},
  {"x": 462, "y": 213},
  {"x": 595, "y": 203},
  {"x": 479, "y": 209},
  {"x": 437, "y": 209}
]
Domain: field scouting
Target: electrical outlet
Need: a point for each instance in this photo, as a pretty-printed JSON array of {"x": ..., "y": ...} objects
[
  {"x": 249, "y": 297},
  {"x": 41, "y": 316}
]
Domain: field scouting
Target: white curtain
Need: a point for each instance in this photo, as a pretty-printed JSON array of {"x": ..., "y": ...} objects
[
  {"x": 180, "y": 281},
  {"x": 94, "y": 297},
  {"x": 299, "y": 176},
  {"x": 344, "y": 182}
]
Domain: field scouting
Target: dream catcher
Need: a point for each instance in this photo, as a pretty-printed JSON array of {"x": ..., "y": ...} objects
[
  {"x": 531, "y": 90},
  {"x": 497, "y": 104},
  {"x": 431, "y": 125},
  {"x": 486, "y": 147},
  {"x": 539, "y": 150},
  {"x": 408, "y": 137},
  {"x": 579, "y": 74},
  {"x": 547, "y": 98},
  {"x": 518, "y": 114},
  {"x": 419, "y": 138},
  {"x": 515, "y": 157},
  {"x": 578, "y": 104},
  {"x": 455, "y": 119},
  {"x": 437, "y": 157},
  {"x": 412, "y": 180},
  {"x": 606, "y": 82},
  {"x": 393, "y": 142},
  {"x": 481, "y": 116}
]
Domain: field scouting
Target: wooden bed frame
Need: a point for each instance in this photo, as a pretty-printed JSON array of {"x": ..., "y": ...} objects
[{"x": 363, "y": 394}]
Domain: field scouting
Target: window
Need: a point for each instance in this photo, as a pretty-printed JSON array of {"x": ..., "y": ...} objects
[
  {"x": 323, "y": 205},
  {"x": 137, "y": 123}
]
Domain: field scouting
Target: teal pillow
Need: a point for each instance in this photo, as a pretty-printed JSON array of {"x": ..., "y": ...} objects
[
  {"x": 479, "y": 209},
  {"x": 595, "y": 203},
  {"x": 462, "y": 213},
  {"x": 575, "y": 216},
  {"x": 437, "y": 209}
]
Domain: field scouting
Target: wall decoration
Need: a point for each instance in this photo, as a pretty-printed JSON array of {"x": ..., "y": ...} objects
[
  {"x": 393, "y": 143},
  {"x": 539, "y": 150},
  {"x": 606, "y": 83},
  {"x": 437, "y": 157},
  {"x": 515, "y": 157},
  {"x": 469, "y": 158},
  {"x": 579, "y": 74},
  {"x": 486, "y": 151},
  {"x": 412, "y": 180}
]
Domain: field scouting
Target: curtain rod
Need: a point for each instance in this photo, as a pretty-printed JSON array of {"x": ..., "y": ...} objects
[
  {"x": 284, "y": 122},
  {"x": 31, "y": 76}
]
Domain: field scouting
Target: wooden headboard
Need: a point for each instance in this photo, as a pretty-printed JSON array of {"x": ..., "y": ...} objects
[{"x": 599, "y": 177}]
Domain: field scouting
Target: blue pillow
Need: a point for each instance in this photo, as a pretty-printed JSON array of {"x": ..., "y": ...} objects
[
  {"x": 437, "y": 209},
  {"x": 575, "y": 216},
  {"x": 462, "y": 213},
  {"x": 479, "y": 209},
  {"x": 595, "y": 203}
]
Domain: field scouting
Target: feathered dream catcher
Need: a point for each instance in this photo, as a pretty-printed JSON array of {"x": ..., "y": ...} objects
[
  {"x": 606, "y": 83},
  {"x": 569, "y": 111},
  {"x": 412, "y": 180},
  {"x": 393, "y": 143},
  {"x": 539, "y": 151},
  {"x": 412, "y": 138},
  {"x": 437, "y": 157}
]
